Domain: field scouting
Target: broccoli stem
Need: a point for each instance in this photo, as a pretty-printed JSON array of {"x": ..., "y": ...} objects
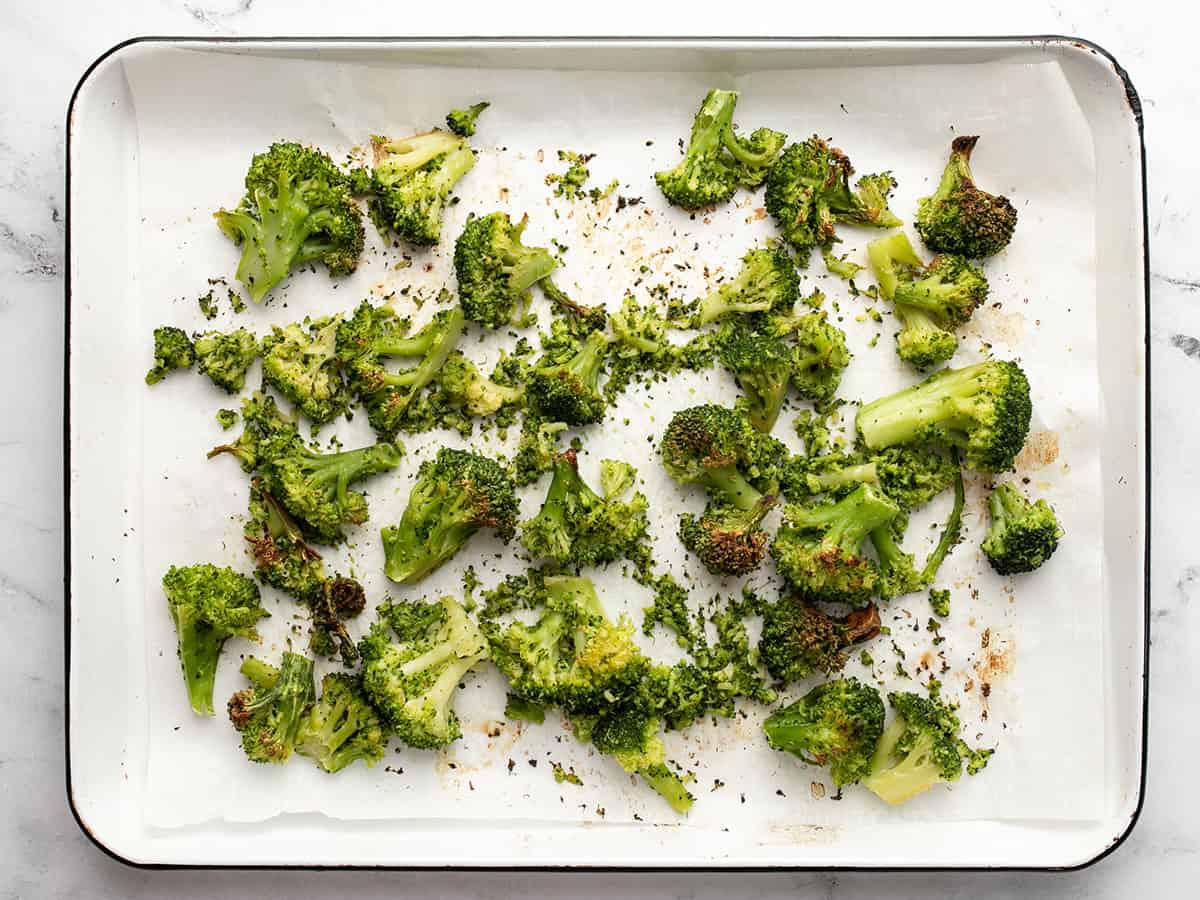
[
  {"x": 950, "y": 533},
  {"x": 902, "y": 781},
  {"x": 528, "y": 266},
  {"x": 725, "y": 299},
  {"x": 863, "y": 473},
  {"x": 260, "y": 674},
  {"x": 730, "y": 482},
  {"x": 884, "y": 255},
  {"x": 199, "y": 650},
  {"x": 905, "y": 415},
  {"x": 339, "y": 470},
  {"x": 848, "y": 521},
  {"x": 889, "y": 552},
  {"x": 958, "y": 167},
  {"x": 585, "y": 365},
  {"x": 669, "y": 787}
]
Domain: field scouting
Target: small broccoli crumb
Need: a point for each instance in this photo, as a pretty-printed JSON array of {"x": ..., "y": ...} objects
[
  {"x": 208, "y": 306},
  {"x": 940, "y": 601},
  {"x": 236, "y": 303},
  {"x": 568, "y": 775},
  {"x": 866, "y": 659},
  {"x": 227, "y": 418},
  {"x": 570, "y": 183}
]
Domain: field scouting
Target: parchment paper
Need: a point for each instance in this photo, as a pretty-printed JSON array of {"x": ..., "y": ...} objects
[{"x": 1023, "y": 656}]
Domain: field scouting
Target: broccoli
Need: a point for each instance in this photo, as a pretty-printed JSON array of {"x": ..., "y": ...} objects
[
  {"x": 983, "y": 409},
  {"x": 910, "y": 476},
  {"x": 224, "y": 358},
  {"x": 468, "y": 389},
  {"x": 728, "y": 540},
  {"x": 808, "y": 191},
  {"x": 939, "y": 602},
  {"x": 272, "y": 712},
  {"x": 495, "y": 270},
  {"x": 841, "y": 266},
  {"x": 209, "y": 605},
  {"x": 301, "y": 362},
  {"x": 919, "y": 749},
  {"x": 818, "y": 548},
  {"x": 412, "y": 679},
  {"x": 819, "y": 355},
  {"x": 577, "y": 526},
  {"x": 455, "y": 495},
  {"x": 1023, "y": 535},
  {"x": 898, "y": 573},
  {"x": 767, "y": 282},
  {"x": 173, "y": 350},
  {"x": 799, "y": 640},
  {"x": 718, "y": 449},
  {"x": 959, "y": 217},
  {"x": 263, "y": 425},
  {"x": 836, "y": 724},
  {"x": 411, "y": 179},
  {"x": 374, "y": 333},
  {"x": 227, "y": 418},
  {"x": 718, "y": 161},
  {"x": 641, "y": 352},
  {"x": 342, "y": 726},
  {"x": 537, "y": 450},
  {"x": 462, "y": 121},
  {"x": 587, "y": 318},
  {"x": 762, "y": 365},
  {"x": 297, "y": 209},
  {"x": 565, "y": 389},
  {"x": 570, "y": 183}
]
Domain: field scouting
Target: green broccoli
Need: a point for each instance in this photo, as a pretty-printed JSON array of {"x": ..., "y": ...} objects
[
  {"x": 939, "y": 602},
  {"x": 297, "y": 210},
  {"x": 579, "y": 527},
  {"x": 467, "y": 388},
  {"x": 173, "y": 350},
  {"x": 799, "y": 640},
  {"x": 412, "y": 679},
  {"x": 819, "y": 354},
  {"x": 836, "y": 724},
  {"x": 959, "y": 217},
  {"x": 718, "y": 161},
  {"x": 1023, "y": 535},
  {"x": 342, "y": 726},
  {"x": 818, "y": 550},
  {"x": 227, "y": 418},
  {"x": 224, "y": 358},
  {"x": 537, "y": 450},
  {"x": 841, "y": 266},
  {"x": 920, "y": 748},
  {"x": 586, "y": 318},
  {"x": 767, "y": 281},
  {"x": 272, "y": 712},
  {"x": 564, "y": 388},
  {"x": 983, "y": 409},
  {"x": 910, "y": 476},
  {"x": 728, "y": 540},
  {"x": 209, "y": 605},
  {"x": 455, "y": 495},
  {"x": 495, "y": 270},
  {"x": 719, "y": 450},
  {"x": 411, "y": 179},
  {"x": 462, "y": 121},
  {"x": 762, "y": 365},
  {"x": 262, "y": 425},
  {"x": 640, "y": 351},
  {"x": 301, "y": 362},
  {"x": 570, "y": 183}
]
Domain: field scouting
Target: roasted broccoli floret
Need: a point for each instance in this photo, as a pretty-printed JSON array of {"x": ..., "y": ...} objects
[
  {"x": 767, "y": 281},
  {"x": 983, "y": 410},
  {"x": 209, "y": 605},
  {"x": 469, "y": 389},
  {"x": 374, "y": 334},
  {"x": 224, "y": 358},
  {"x": 762, "y": 365},
  {"x": 342, "y": 726},
  {"x": 819, "y": 354},
  {"x": 799, "y": 640},
  {"x": 462, "y": 121},
  {"x": 537, "y": 450},
  {"x": 959, "y": 217},
  {"x": 173, "y": 350},
  {"x": 841, "y": 266},
  {"x": 272, "y": 712},
  {"x": 808, "y": 191},
  {"x": 455, "y": 495},
  {"x": 587, "y": 318},
  {"x": 411, "y": 179},
  {"x": 577, "y": 526},
  {"x": 297, "y": 210},
  {"x": 718, "y": 161},
  {"x": 412, "y": 679},
  {"x": 1023, "y": 535},
  {"x": 910, "y": 476},
  {"x": 263, "y": 427},
  {"x": 301, "y": 362},
  {"x": 641, "y": 352},
  {"x": 836, "y": 724},
  {"x": 495, "y": 270},
  {"x": 728, "y": 540},
  {"x": 718, "y": 449},
  {"x": 566, "y": 389},
  {"x": 819, "y": 548},
  {"x": 920, "y": 748},
  {"x": 570, "y": 183}
]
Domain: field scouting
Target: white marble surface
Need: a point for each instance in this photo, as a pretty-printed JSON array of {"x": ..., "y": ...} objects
[{"x": 45, "y": 46}]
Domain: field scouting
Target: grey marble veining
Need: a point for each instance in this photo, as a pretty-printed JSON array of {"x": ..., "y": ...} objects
[{"x": 45, "y": 46}]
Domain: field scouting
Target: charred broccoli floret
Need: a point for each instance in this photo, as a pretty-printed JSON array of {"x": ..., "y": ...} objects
[
  {"x": 173, "y": 350},
  {"x": 959, "y": 217},
  {"x": 767, "y": 281},
  {"x": 495, "y": 270},
  {"x": 411, "y": 179},
  {"x": 537, "y": 450},
  {"x": 641, "y": 352},
  {"x": 718, "y": 161},
  {"x": 455, "y": 495},
  {"x": 718, "y": 449},
  {"x": 564, "y": 388},
  {"x": 836, "y": 724},
  {"x": 799, "y": 640},
  {"x": 300, "y": 361},
  {"x": 819, "y": 354},
  {"x": 1023, "y": 535},
  {"x": 728, "y": 540},
  {"x": 471, "y": 390},
  {"x": 297, "y": 210},
  {"x": 413, "y": 659},
  {"x": 342, "y": 727},
  {"x": 984, "y": 410},
  {"x": 462, "y": 121},
  {"x": 272, "y": 712},
  {"x": 209, "y": 605},
  {"x": 224, "y": 358}
]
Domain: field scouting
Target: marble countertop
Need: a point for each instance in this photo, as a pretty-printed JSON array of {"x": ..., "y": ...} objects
[{"x": 44, "y": 48}]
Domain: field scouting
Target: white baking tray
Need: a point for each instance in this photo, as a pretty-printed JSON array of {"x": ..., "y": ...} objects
[{"x": 119, "y": 648}]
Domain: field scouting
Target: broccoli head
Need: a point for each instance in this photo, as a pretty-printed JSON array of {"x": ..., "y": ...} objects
[
  {"x": 762, "y": 365},
  {"x": 224, "y": 358},
  {"x": 983, "y": 410},
  {"x": 767, "y": 281},
  {"x": 300, "y": 361},
  {"x": 920, "y": 748},
  {"x": 959, "y": 217},
  {"x": 565, "y": 389},
  {"x": 173, "y": 350},
  {"x": 342, "y": 726},
  {"x": 728, "y": 540},
  {"x": 455, "y": 495},
  {"x": 411, "y": 179},
  {"x": 910, "y": 476},
  {"x": 537, "y": 449},
  {"x": 718, "y": 161},
  {"x": 271, "y": 713},
  {"x": 495, "y": 270},
  {"x": 298, "y": 209},
  {"x": 462, "y": 121},
  {"x": 718, "y": 449},
  {"x": 414, "y": 656},
  {"x": 836, "y": 724},
  {"x": 818, "y": 550},
  {"x": 209, "y": 605},
  {"x": 819, "y": 354},
  {"x": 799, "y": 640},
  {"x": 469, "y": 389},
  {"x": 1023, "y": 535}
]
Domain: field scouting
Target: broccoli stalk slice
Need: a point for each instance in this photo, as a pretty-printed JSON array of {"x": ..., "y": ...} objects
[
  {"x": 916, "y": 772},
  {"x": 732, "y": 486},
  {"x": 259, "y": 673},
  {"x": 669, "y": 786},
  {"x": 950, "y": 531}
]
